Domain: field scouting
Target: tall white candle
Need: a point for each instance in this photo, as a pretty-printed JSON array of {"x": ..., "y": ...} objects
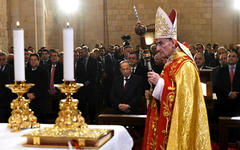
[
  {"x": 18, "y": 44},
  {"x": 68, "y": 54}
]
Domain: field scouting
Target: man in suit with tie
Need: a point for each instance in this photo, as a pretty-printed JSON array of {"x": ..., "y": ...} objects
[
  {"x": 44, "y": 58},
  {"x": 138, "y": 69},
  {"x": 228, "y": 87},
  {"x": 126, "y": 91},
  {"x": 87, "y": 74},
  {"x": 200, "y": 61},
  {"x": 55, "y": 70},
  {"x": 38, "y": 94},
  {"x": 110, "y": 71}
]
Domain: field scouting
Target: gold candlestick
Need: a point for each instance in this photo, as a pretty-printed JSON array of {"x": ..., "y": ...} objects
[
  {"x": 69, "y": 116},
  {"x": 70, "y": 126},
  {"x": 21, "y": 115}
]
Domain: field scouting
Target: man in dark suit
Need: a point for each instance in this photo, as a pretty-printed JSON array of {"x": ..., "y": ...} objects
[
  {"x": 126, "y": 91},
  {"x": 26, "y": 57},
  {"x": 87, "y": 74},
  {"x": 5, "y": 98},
  {"x": 44, "y": 58},
  {"x": 222, "y": 63},
  {"x": 56, "y": 66},
  {"x": 200, "y": 61},
  {"x": 228, "y": 87},
  {"x": 5, "y": 67},
  {"x": 38, "y": 94},
  {"x": 110, "y": 71},
  {"x": 55, "y": 70},
  {"x": 138, "y": 69}
]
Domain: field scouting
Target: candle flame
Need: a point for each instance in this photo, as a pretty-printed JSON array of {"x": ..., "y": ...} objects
[
  {"x": 18, "y": 23},
  {"x": 68, "y": 24}
]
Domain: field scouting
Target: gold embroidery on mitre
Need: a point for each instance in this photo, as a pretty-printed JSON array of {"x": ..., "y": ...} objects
[{"x": 163, "y": 26}]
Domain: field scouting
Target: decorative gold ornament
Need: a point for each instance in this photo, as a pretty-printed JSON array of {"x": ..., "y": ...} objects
[
  {"x": 140, "y": 29},
  {"x": 69, "y": 116},
  {"x": 70, "y": 126},
  {"x": 21, "y": 115},
  {"x": 59, "y": 137}
]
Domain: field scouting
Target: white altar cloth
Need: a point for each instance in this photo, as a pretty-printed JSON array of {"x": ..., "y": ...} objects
[{"x": 14, "y": 140}]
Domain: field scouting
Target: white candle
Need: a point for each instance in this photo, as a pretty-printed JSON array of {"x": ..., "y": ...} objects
[
  {"x": 68, "y": 54},
  {"x": 18, "y": 44}
]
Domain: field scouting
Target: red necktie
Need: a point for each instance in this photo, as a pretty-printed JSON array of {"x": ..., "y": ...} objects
[
  {"x": 52, "y": 78},
  {"x": 231, "y": 75}
]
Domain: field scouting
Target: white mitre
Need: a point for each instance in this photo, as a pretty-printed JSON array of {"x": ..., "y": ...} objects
[{"x": 166, "y": 27}]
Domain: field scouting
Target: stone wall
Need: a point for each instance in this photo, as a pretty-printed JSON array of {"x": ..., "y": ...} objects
[
  {"x": 225, "y": 20},
  {"x": 193, "y": 19},
  {"x": 3, "y": 26},
  {"x": 105, "y": 21},
  {"x": 87, "y": 23}
]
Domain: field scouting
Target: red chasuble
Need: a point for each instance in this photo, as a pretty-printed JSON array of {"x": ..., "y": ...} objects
[
  {"x": 168, "y": 99},
  {"x": 182, "y": 123},
  {"x": 157, "y": 126}
]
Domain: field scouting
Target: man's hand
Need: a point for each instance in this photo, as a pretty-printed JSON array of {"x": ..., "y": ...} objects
[
  {"x": 153, "y": 77},
  {"x": 124, "y": 107},
  {"x": 31, "y": 96},
  {"x": 233, "y": 95}
]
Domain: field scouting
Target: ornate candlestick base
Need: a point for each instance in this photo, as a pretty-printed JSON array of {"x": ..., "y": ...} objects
[
  {"x": 21, "y": 116},
  {"x": 69, "y": 116},
  {"x": 70, "y": 126}
]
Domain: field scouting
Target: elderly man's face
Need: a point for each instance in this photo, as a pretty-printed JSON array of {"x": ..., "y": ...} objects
[
  {"x": 223, "y": 59},
  {"x": 199, "y": 60},
  {"x": 165, "y": 47},
  {"x": 220, "y": 52},
  {"x": 125, "y": 69}
]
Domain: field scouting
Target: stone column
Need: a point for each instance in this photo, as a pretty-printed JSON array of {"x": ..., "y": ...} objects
[
  {"x": 3, "y": 25},
  {"x": 40, "y": 14}
]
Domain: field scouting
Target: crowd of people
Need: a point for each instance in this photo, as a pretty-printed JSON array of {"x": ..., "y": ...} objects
[{"x": 114, "y": 78}]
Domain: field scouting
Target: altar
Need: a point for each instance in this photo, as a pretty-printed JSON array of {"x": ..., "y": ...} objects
[{"x": 14, "y": 140}]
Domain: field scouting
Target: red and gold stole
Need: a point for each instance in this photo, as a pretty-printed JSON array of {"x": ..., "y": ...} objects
[
  {"x": 151, "y": 124},
  {"x": 168, "y": 100}
]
